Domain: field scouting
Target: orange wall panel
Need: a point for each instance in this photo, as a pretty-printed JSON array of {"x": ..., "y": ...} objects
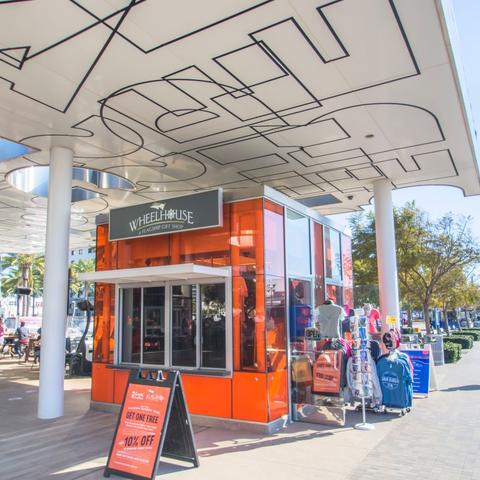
[
  {"x": 143, "y": 252},
  {"x": 102, "y": 383},
  {"x": 208, "y": 395},
  {"x": 120, "y": 385},
  {"x": 250, "y": 396},
  {"x": 104, "y": 323},
  {"x": 106, "y": 252},
  {"x": 246, "y": 237},
  {"x": 207, "y": 247},
  {"x": 277, "y": 394}
]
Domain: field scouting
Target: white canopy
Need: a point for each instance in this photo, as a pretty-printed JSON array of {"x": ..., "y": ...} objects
[
  {"x": 317, "y": 99},
  {"x": 187, "y": 271}
]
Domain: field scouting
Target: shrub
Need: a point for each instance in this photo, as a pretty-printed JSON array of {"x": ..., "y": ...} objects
[
  {"x": 462, "y": 340},
  {"x": 469, "y": 333},
  {"x": 407, "y": 331},
  {"x": 476, "y": 333},
  {"x": 452, "y": 352},
  {"x": 463, "y": 333}
]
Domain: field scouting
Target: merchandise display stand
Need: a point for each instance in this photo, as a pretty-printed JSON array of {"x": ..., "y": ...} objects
[
  {"x": 364, "y": 425},
  {"x": 363, "y": 374}
]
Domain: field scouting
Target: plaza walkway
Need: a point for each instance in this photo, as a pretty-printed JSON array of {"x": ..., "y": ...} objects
[{"x": 439, "y": 439}]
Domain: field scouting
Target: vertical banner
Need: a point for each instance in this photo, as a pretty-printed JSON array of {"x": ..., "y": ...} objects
[{"x": 153, "y": 421}]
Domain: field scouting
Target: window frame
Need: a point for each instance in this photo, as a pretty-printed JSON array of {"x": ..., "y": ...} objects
[
  {"x": 168, "y": 324},
  {"x": 291, "y": 271},
  {"x": 328, "y": 280}
]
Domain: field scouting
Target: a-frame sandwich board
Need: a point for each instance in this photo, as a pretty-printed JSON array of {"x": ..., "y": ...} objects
[{"x": 153, "y": 422}]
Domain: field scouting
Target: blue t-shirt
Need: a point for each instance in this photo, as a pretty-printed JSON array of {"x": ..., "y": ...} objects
[{"x": 395, "y": 381}]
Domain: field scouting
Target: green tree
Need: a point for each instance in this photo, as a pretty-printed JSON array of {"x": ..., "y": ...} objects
[
  {"x": 77, "y": 286},
  {"x": 447, "y": 245},
  {"x": 364, "y": 258},
  {"x": 23, "y": 270},
  {"x": 450, "y": 293},
  {"x": 427, "y": 251}
]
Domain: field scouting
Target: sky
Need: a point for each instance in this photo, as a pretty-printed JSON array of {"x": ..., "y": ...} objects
[{"x": 439, "y": 200}]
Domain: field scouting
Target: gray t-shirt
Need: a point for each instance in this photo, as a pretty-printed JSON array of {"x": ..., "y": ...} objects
[{"x": 329, "y": 318}]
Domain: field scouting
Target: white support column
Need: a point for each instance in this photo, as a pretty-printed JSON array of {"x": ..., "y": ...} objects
[
  {"x": 55, "y": 286},
  {"x": 386, "y": 251}
]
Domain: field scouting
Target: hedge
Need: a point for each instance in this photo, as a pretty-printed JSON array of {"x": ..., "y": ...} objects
[
  {"x": 407, "y": 330},
  {"x": 469, "y": 333},
  {"x": 452, "y": 352},
  {"x": 462, "y": 340}
]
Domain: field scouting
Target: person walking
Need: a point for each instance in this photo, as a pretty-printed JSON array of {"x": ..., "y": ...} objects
[{"x": 22, "y": 339}]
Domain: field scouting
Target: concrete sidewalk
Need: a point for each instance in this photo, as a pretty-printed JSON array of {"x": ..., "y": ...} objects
[{"x": 439, "y": 439}]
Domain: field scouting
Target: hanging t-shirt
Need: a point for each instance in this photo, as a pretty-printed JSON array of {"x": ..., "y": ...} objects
[
  {"x": 329, "y": 318},
  {"x": 395, "y": 380}
]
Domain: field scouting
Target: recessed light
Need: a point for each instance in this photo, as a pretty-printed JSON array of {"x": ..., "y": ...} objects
[{"x": 369, "y": 135}]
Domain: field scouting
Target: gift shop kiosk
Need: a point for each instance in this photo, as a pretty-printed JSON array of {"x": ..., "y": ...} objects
[{"x": 222, "y": 288}]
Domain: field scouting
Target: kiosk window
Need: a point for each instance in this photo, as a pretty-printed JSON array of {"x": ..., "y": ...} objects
[
  {"x": 193, "y": 334},
  {"x": 213, "y": 325},
  {"x": 184, "y": 326},
  {"x": 154, "y": 326},
  {"x": 132, "y": 325}
]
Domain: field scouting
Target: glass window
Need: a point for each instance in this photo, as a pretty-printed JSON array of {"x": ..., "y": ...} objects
[
  {"x": 213, "y": 325},
  {"x": 275, "y": 321},
  {"x": 184, "y": 326},
  {"x": 202, "y": 248},
  {"x": 348, "y": 298},
  {"x": 319, "y": 285},
  {"x": 333, "y": 255},
  {"x": 246, "y": 240},
  {"x": 131, "y": 325},
  {"x": 154, "y": 326},
  {"x": 245, "y": 306},
  {"x": 106, "y": 252},
  {"x": 298, "y": 244},
  {"x": 347, "y": 271},
  {"x": 300, "y": 308},
  {"x": 146, "y": 337},
  {"x": 334, "y": 293},
  {"x": 274, "y": 240},
  {"x": 104, "y": 321}
]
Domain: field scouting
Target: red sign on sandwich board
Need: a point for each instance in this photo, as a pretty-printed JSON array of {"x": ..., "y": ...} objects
[{"x": 153, "y": 421}]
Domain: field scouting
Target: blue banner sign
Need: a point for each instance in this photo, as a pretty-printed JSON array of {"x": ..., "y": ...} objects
[{"x": 421, "y": 370}]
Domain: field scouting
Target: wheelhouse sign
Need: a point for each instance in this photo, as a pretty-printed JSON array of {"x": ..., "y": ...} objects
[{"x": 189, "y": 212}]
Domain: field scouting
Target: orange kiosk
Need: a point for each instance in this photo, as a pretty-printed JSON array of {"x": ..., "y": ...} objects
[{"x": 213, "y": 302}]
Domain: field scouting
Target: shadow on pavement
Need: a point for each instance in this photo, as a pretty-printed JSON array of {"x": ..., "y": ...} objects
[
  {"x": 213, "y": 442},
  {"x": 463, "y": 388}
]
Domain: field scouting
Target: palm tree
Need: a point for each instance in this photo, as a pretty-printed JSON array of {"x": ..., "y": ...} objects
[
  {"x": 23, "y": 270},
  {"x": 77, "y": 286}
]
